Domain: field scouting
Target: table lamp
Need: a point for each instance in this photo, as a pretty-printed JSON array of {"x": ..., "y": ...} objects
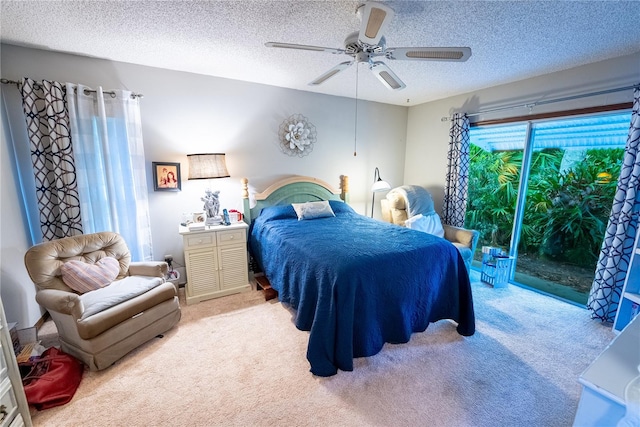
[{"x": 209, "y": 166}]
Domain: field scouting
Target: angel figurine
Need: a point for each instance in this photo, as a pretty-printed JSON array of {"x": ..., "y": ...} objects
[{"x": 211, "y": 205}]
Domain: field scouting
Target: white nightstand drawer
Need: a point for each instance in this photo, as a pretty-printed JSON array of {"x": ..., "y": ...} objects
[
  {"x": 199, "y": 240},
  {"x": 231, "y": 237}
]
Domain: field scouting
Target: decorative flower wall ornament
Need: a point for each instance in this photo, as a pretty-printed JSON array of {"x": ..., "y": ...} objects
[{"x": 297, "y": 136}]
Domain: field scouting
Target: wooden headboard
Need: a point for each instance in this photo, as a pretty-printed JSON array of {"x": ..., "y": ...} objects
[{"x": 295, "y": 189}]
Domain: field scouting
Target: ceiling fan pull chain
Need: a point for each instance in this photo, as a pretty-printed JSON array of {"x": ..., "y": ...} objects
[{"x": 355, "y": 132}]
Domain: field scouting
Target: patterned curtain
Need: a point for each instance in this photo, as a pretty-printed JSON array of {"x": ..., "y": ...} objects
[
  {"x": 52, "y": 157},
  {"x": 621, "y": 230},
  {"x": 455, "y": 196}
]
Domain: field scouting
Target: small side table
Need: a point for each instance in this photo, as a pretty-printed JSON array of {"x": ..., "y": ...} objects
[{"x": 495, "y": 267}]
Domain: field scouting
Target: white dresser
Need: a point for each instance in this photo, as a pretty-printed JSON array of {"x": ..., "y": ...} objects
[
  {"x": 14, "y": 409},
  {"x": 602, "y": 402},
  {"x": 216, "y": 261}
]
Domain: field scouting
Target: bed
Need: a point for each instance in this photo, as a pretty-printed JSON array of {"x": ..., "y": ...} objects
[{"x": 355, "y": 283}]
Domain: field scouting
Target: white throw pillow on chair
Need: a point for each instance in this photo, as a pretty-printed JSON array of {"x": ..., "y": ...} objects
[{"x": 427, "y": 223}]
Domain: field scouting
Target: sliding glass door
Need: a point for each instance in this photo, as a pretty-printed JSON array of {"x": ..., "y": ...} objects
[
  {"x": 542, "y": 192},
  {"x": 496, "y": 155}
]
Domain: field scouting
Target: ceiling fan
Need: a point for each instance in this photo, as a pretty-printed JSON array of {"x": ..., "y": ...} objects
[{"x": 369, "y": 43}]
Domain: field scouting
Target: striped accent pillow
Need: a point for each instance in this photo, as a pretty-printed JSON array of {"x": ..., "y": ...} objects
[{"x": 84, "y": 277}]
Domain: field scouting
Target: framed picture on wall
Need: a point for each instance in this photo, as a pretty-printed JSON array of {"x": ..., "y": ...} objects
[{"x": 166, "y": 176}]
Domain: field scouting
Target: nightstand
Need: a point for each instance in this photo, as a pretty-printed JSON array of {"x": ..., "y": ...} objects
[{"x": 216, "y": 261}]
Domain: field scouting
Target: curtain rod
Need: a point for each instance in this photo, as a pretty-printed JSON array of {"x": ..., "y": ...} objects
[
  {"x": 531, "y": 105},
  {"x": 86, "y": 91}
]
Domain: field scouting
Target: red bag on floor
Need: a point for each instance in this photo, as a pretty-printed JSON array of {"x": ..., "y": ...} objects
[{"x": 53, "y": 379}]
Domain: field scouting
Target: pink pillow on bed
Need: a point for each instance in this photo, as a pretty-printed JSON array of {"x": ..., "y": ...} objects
[
  {"x": 84, "y": 277},
  {"x": 313, "y": 210}
]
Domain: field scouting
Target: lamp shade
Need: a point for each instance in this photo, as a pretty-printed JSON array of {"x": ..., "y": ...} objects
[
  {"x": 206, "y": 166},
  {"x": 378, "y": 184}
]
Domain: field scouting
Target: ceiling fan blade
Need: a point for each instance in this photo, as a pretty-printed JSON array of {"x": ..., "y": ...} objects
[
  {"x": 375, "y": 20},
  {"x": 455, "y": 54},
  {"x": 386, "y": 76},
  {"x": 332, "y": 72},
  {"x": 304, "y": 47}
]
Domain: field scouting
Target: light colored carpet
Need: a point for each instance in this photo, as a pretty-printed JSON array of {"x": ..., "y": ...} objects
[{"x": 240, "y": 361}]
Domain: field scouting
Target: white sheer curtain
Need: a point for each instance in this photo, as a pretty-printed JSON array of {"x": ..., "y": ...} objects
[{"x": 107, "y": 142}]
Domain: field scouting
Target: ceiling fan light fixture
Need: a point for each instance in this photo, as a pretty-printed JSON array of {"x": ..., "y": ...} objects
[{"x": 369, "y": 42}]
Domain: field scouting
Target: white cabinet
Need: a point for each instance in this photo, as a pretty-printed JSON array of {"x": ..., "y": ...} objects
[
  {"x": 602, "y": 402},
  {"x": 14, "y": 409},
  {"x": 215, "y": 261},
  {"x": 629, "y": 305}
]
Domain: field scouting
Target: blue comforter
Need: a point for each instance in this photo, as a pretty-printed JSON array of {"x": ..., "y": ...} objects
[{"x": 357, "y": 283}]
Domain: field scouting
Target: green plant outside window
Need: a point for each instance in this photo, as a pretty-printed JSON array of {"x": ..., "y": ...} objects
[{"x": 575, "y": 165}]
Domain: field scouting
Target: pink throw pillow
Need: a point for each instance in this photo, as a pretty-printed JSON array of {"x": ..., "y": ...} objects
[{"x": 84, "y": 277}]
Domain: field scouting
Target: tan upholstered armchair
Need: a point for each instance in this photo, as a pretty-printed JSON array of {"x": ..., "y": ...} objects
[
  {"x": 102, "y": 325},
  {"x": 396, "y": 208}
]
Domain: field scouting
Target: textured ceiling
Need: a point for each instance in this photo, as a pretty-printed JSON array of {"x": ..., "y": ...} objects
[{"x": 510, "y": 40}]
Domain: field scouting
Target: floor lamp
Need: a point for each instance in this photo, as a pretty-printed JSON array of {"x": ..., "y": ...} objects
[{"x": 378, "y": 185}]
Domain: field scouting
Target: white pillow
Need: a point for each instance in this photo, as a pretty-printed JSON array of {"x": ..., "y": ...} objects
[
  {"x": 429, "y": 224},
  {"x": 312, "y": 210}
]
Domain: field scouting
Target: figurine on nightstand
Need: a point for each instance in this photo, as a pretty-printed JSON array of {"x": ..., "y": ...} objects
[{"x": 211, "y": 206}]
